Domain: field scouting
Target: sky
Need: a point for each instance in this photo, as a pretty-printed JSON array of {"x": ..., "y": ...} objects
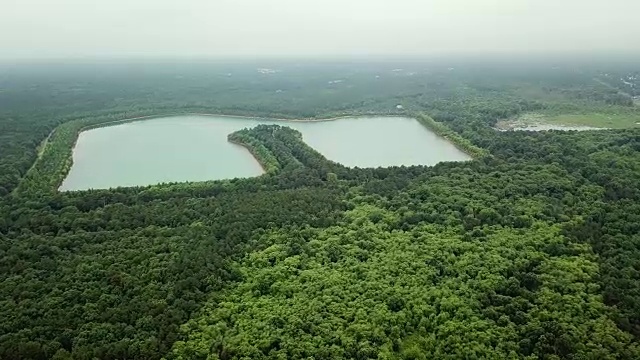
[{"x": 34, "y": 29}]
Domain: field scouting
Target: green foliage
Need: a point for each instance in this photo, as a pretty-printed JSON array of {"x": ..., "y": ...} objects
[
  {"x": 266, "y": 159},
  {"x": 444, "y": 131},
  {"x": 369, "y": 290},
  {"x": 528, "y": 253},
  {"x": 117, "y": 281}
]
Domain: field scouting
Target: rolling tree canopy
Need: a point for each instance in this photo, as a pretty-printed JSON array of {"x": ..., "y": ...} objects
[{"x": 528, "y": 251}]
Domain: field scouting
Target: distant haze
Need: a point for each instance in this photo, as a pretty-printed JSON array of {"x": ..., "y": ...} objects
[{"x": 240, "y": 28}]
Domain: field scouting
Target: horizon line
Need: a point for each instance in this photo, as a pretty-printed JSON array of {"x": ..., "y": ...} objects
[{"x": 466, "y": 55}]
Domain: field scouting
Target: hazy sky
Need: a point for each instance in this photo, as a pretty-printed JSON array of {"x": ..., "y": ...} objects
[{"x": 99, "y": 28}]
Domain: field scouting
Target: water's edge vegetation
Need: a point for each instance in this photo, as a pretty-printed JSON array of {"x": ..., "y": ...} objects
[
  {"x": 529, "y": 253},
  {"x": 444, "y": 131},
  {"x": 56, "y": 157},
  {"x": 265, "y": 158}
]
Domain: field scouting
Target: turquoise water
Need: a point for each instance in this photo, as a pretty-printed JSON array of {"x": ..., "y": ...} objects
[{"x": 195, "y": 148}]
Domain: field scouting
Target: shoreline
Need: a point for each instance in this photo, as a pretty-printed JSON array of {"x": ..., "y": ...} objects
[
  {"x": 335, "y": 118},
  {"x": 264, "y": 171},
  {"x": 69, "y": 163},
  {"x": 78, "y": 129},
  {"x": 151, "y": 117}
]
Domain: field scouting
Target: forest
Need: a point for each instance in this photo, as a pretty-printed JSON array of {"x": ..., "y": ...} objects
[{"x": 528, "y": 251}]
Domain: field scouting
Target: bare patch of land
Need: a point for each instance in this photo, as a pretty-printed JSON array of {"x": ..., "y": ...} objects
[{"x": 586, "y": 121}]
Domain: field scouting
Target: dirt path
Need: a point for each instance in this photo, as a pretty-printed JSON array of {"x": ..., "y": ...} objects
[{"x": 41, "y": 147}]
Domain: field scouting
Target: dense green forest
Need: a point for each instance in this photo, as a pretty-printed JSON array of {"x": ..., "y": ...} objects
[{"x": 531, "y": 250}]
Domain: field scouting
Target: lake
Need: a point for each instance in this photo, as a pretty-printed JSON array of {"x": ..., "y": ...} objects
[{"x": 195, "y": 148}]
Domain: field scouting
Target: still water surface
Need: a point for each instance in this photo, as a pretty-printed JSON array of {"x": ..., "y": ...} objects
[{"x": 195, "y": 148}]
